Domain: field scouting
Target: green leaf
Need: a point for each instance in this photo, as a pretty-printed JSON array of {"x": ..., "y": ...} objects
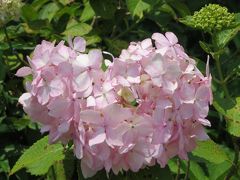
[
  {"x": 38, "y": 24},
  {"x": 195, "y": 171},
  {"x": 37, "y": 4},
  {"x": 188, "y": 21},
  {"x": 64, "y": 169},
  {"x": 3, "y": 70},
  {"x": 154, "y": 173},
  {"x": 172, "y": 164},
  {"x": 20, "y": 124},
  {"x": 65, "y": 2},
  {"x": 48, "y": 11},
  {"x": 93, "y": 39},
  {"x": 70, "y": 10},
  {"x": 28, "y": 13},
  {"x": 12, "y": 62},
  {"x": 79, "y": 29},
  {"x": 169, "y": 10},
  {"x": 223, "y": 37},
  {"x": 210, "y": 151},
  {"x": 2, "y": 35},
  {"x": 88, "y": 13},
  {"x": 231, "y": 111},
  {"x": 4, "y": 164},
  {"x": 180, "y": 7},
  {"x": 116, "y": 46},
  {"x": 205, "y": 47},
  {"x": 39, "y": 157},
  {"x": 138, "y": 7},
  {"x": 104, "y": 8},
  {"x": 216, "y": 171}
]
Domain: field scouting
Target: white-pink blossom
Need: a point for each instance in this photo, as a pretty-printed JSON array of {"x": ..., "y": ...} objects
[{"x": 150, "y": 104}]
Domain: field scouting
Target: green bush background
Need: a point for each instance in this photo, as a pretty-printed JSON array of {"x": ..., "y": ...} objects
[{"x": 111, "y": 25}]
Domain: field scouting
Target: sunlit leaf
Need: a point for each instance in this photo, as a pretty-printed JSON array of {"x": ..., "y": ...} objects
[
  {"x": 230, "y": 108},
  {"x": 39, "y": 157},
  {"x": 138, "y": 7},
  {"x": 87, "y": 13},
  {"x": 79, "y": 29},
  {"x": 210, "y": 151}
]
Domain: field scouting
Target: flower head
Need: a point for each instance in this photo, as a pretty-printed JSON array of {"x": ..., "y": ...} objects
[
  {"x": 9, "y": 10},
  {"x": 212, "y": 17},
  {"x": 74, "y": 99}
]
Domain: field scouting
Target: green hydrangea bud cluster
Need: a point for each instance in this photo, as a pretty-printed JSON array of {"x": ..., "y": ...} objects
[
  {"x": 9, "y": 10},
  {"x": 213, "y": 17}
]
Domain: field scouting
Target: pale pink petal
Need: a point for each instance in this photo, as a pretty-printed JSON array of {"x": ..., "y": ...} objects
[
  {"x": 146, "y": 43},
  {"x": 91, "y": 116},
  {"x": 64, "y": 127},
  {"x": 172, "y": 38},
  {"x": 24, "y": 71},
  {"x": 97, "y": 137},
  {"x": 135, "y": 161},
  {"x": 186, "y": 111},
  {"x": 91, "y": 101},
  {"x": 160, "y": 39},
  {"x": 82, "y": 82},
  {"x": 25, "y": 99},
  {"x": 78, "y": 150},
  {"x": 205, "y": 122},
  {"x": 116, "y": 113},
  {"x": 43, "y": 95},
  {"x": 57, "y": 87},
  {"x": 156, "y": 66},
  {"x": 79, "y": 44},
  {"x": 58, "y": 107},
  {"x": 203, "y": 93},
  {"x": 87, "y": 171},
  {"x": 95, "y": 57}
]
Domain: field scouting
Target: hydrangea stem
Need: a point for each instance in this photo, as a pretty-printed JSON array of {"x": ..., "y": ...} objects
[
  {"x": 187, "y": 170},
  {"x": 220, "y": 73},
  {"x": 223, "y": 81},
  {"x": 178, "y": 170}
]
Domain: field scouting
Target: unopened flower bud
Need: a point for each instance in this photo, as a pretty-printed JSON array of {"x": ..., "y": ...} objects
[{"x": 212, "y": 17}]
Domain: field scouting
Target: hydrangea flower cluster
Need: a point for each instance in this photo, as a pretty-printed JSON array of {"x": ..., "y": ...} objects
[
  {"x": 9, "y": 9},
  {"x": 213, "y": 17},
  {"x": 147, "y": 107}
]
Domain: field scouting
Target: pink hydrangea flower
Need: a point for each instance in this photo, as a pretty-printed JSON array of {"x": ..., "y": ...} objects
[{"x": 150, "y": 104}]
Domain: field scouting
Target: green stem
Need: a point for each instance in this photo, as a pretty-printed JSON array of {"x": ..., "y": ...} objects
[
  {"x": 178, "y": 170},
  {"x": 220, "y": 73},
  {"x": 53, "y": 173},
  {"x": 187, "y": 171},
  {"x": 11, "y": 47}
]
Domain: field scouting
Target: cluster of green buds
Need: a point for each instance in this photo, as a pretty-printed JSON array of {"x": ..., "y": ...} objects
[
  {"x": 9, "y": 10},
  {"x": 212, "y": 17}
]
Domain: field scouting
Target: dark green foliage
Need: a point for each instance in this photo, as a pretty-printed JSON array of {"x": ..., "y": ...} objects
[{"x": 111, "y": 25}]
